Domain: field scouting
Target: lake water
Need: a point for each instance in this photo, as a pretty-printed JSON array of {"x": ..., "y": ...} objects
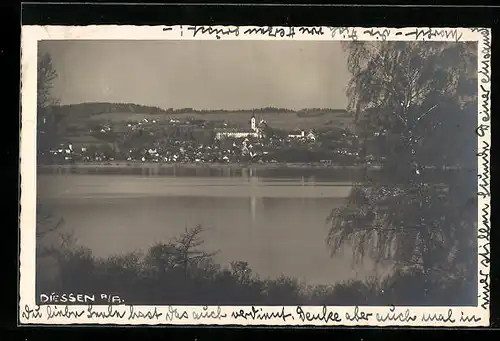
[{"x": 276, "y": 224}]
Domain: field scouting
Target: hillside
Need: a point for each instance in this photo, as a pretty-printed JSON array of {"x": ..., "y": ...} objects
[
  {"x": 85, "y": 110},
  {"x": 124, "y": 112}
]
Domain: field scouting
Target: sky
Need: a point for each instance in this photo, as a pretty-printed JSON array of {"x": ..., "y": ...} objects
[{"x": 201, "y": 74}]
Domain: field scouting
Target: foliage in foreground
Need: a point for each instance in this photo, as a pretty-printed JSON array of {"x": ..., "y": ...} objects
[
  {"x": 414, "y": 104},
  {"x": 178, "y": 273}
]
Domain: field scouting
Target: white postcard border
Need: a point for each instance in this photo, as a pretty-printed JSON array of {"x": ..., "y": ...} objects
[{"x": 29, "y": 313}]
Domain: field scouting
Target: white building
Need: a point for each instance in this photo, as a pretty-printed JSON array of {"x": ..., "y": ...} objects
[
  {"x": 297, "y": 135},
  {"x": 302, "y": 135},
  {"x": 254, "y": 131}
]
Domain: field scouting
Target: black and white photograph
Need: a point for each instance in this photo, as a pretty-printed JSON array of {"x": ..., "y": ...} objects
[{"x": 248, "y": 172}]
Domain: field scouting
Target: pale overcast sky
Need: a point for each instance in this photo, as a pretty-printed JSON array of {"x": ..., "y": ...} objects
[{"x": 201, "y": 74}]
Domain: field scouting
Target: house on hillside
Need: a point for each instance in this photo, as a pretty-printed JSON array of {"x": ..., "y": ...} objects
[
  {"x": 301, "y": 134},
  {"x": 298, "y": 134}
]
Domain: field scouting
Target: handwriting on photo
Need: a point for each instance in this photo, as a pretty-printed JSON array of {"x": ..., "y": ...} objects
[
  {"x": 349, "y": 33},
  {"x": 299, "y": 314}
]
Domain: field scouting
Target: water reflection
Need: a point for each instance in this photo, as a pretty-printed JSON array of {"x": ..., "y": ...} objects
[
  {"x": 275, "y": 220},
  {"x": 277, "y": 172},
  {"x": 264, "y": 173},
  {"x": 276, "y": 224}
]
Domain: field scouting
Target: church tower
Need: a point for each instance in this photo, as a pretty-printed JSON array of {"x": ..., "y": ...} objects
[{"x": 253, "y": 122}]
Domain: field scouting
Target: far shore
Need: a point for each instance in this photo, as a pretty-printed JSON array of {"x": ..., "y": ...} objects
[
  {"x": 208, "y": 165},
  {"x": 138, "y": 164}
]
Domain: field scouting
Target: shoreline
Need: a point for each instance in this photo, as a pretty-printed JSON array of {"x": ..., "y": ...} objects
[{"x": 165, "y": 165}]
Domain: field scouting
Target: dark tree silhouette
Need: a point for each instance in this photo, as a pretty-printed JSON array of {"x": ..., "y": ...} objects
[
  {"x": 46, "y": 222},
  {"x": 46, "y": 74},
  {"x": 47, "y": 120},
  {"x": 409, "y": 101},
  {"x": 181, "y": 253},
  {"x": 186, "y": 247},
  {"x": 159, "y": 277}
]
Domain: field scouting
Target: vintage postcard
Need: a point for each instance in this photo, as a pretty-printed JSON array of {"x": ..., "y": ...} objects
[{"x": 278, "y": 176}]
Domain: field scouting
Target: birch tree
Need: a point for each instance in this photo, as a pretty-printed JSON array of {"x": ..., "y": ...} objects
[{"x": 408, "y": 98}]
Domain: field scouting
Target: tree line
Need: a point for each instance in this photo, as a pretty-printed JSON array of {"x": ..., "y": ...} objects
[
  {"x": 181, "y": 272},
  {"x": 94, "y": 108}
]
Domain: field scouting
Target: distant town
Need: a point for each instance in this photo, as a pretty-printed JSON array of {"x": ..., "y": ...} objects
[{"x": 158, "y": 137}]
